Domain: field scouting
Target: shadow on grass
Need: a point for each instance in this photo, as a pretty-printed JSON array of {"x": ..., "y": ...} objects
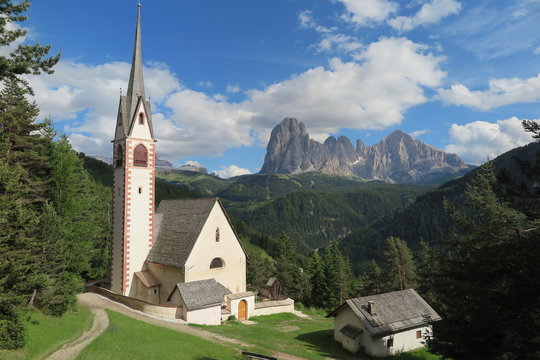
[{"x": 322, "y": 342}]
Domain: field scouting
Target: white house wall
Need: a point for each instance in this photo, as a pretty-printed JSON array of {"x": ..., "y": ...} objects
[
  {"x": 403, "y": 341},
  {"x": 346, "y": 317},
  {"x": 233, "y": 274}
]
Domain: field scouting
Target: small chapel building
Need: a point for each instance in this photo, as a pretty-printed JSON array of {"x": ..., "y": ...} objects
[{"x": 186, "y": 255}]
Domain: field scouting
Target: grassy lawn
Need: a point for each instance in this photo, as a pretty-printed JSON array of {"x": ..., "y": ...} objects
[
  {"x": 46, "y": 334},
  {"x": 290, "y": 334},
  {"x": 131, "y": 339}
]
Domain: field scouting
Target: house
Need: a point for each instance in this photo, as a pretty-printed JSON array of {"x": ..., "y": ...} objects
[
  {"x": 184, "y": 259},
  {"x": 383, "y": 324}
]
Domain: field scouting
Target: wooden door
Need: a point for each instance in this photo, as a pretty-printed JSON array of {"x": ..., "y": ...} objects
[{"x": 242, "y": 310}]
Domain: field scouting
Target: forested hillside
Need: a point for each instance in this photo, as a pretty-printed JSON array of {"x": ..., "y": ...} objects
[
  {"x": 314, "y": 218},
  {"x": 426, "y": 220}
]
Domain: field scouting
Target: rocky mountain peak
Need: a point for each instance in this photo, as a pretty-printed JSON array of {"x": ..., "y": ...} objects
[{"x": 397, "y": 158}]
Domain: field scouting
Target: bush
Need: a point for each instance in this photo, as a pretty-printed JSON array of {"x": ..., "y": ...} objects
[
  {"x": 12, "y": 330},
  {"x": 231, "y": 318}
]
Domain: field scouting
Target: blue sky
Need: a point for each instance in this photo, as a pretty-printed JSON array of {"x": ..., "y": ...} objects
[{"x": 458, "y": 75}]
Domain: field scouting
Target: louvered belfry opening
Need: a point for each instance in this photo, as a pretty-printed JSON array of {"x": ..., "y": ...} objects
[{"x": 140, "y": 156}]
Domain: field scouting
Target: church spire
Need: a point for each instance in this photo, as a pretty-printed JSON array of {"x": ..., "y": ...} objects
[{"x": 136, "y": 81}]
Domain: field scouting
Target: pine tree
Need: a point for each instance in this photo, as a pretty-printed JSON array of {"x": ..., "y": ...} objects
[
  {"x": 318, "y": 281},
  {"x": 25, "y": 59},
  {"x": 292, "y": 278},
  {"x": 372, "y": 281},
  {"x": 400, "y": 271},
  {"x": 337, "y": 275},
  {"x": 487, "y": 280},
  {"x": 24, "y": 172}
]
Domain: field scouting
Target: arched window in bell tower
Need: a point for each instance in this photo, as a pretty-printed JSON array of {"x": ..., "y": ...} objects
[
  {"x": 141, "y": 118},
  {"x": 140, "y": 156},
  {"x": 119, "y": 157}
]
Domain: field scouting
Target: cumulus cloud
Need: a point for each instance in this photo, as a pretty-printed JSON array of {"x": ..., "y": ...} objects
[
  {"x": 479, "y": 141},
  {"x": 429, "y": 13},
  {"x": 418, "y": 133},
  {"x": 368, "y": 12},
  {"x": 500, "y": 92},
  {"x": 233, "y": 88},
  {"x": 373, "y": 92},
  {"x": 231, "y": 171},
  {"x": 8, "y": 49}
]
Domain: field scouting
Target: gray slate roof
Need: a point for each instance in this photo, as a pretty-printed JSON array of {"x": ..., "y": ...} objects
[
  {"x": 201, "y": 293},
  {"x": 178, "y": 225},
  {"x": 394, "y": 311}
]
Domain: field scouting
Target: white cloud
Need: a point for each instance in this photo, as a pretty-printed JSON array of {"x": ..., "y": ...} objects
[
  {"x": 307, "y": 22},
  {"x": 233, "y": 88},
  {"x": 418, "y": 133},
  {"x": 368, "y": 12},
  {"x": 231, "y": 171},
  {"x": 429, "y": 13},
  {"x": 373, "y": 92},
  {"x": 479, "y": 141},
  {"x": 7, "y": 50},
  {"x": 205, "y": 84},
  {"x": 340, "y": 42},
  {"x": 501, "y": 92},
  {"x": 192, "y": 163},
  {"x": 536, "y": 51}
]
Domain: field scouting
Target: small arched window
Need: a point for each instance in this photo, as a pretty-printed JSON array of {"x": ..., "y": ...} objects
[
  {"x": 217, "y": 234},
  {"x": 217, "y": 263},
  {"x": 119, "y": 156},
  {"x": 140, "y": 156},
  {"x": 141, "y": 118}
]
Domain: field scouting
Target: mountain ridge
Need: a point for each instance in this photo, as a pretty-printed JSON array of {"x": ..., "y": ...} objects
[{"x": 397, "y": 158}]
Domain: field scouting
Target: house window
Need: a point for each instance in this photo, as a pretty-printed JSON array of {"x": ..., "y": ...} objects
[
  {"x": 140, "y": 156},
  {"x": 141, "y": 118},
  {"x": 119, "y": 156},
  {"x": 216, "y": 263},
  {"x": 390, "y": 342},
  {"x": 217, "y": 234},
  {"x": 418, "y": 334},
  {"x": 140, "y": 190}
]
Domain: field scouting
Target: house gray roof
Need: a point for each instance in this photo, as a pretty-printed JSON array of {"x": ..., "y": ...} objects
[
  {"x": 394, "y": 311},
  {"x": 201, "y": 293},
  {"x": 178, "y": 225}
]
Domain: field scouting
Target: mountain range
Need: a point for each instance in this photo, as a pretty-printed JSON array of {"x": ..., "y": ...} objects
[{"x": 398, "y": 158}]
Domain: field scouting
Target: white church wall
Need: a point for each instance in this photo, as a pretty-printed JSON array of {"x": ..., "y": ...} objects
[
  {"x": 141, "y": 131},
  {"x": 169, "y": 277},
  {"x": 233, "y": 274},
  {"x": 207, "y": 316}
]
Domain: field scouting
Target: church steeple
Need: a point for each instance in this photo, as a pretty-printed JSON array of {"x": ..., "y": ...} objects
[
  {"x": 136, "y": 81},
  {"x": 134, "y": 102}
]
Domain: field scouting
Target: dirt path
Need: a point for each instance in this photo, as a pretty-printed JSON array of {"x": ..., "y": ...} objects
[{"x": 72, "y": 349}]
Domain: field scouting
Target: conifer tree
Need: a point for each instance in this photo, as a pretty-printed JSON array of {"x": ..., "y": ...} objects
[
  {"x": 487, "y": 280},
  {"x": 318, "y": 280},
  {"x": 372, "y": 281},
  {"x": 337, "y": 275},
  {"x": 400, "y": 270},
  {"x": 293, "y": 280},
  {"x": 24, "y": 59}
]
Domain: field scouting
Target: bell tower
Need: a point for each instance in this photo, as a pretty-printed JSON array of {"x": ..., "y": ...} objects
[{"x": 134, "y": 178}]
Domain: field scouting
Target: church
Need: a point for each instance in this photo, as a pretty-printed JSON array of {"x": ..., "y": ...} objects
[{"x": 186, "y": 255}]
